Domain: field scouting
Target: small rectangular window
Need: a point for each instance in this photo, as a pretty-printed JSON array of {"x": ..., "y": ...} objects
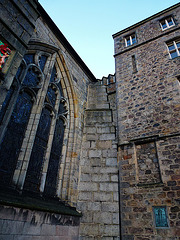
[
  {"x": 174, "y": 48},
  {"x": 167, "y": 23},
  {"x": 134, "y": 64},
  {"x": 130, "y": 40},
  {"x": 160, "y": 217}
]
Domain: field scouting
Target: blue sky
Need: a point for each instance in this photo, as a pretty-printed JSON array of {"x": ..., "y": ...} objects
[{"x": 89, "y": 25}]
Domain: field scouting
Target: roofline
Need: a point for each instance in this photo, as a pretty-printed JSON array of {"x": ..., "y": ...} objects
[
  {"x": 65, "y": 42},
  {"x": 145, "y": 20}
]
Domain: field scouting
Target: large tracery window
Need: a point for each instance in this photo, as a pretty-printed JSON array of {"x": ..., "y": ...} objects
[
  {"x": 27, "y": 82},
  {"x": 44, "y": 159},
  {"x": 53, "y": 110}
]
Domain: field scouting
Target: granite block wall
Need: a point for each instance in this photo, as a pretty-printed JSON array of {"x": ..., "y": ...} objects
[{"x": 98, "y": 185}]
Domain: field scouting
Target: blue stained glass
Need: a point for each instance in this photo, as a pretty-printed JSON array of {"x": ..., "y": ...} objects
[
  {"x": 60, "y": 88},
  {"x": 23, "y": 106},
  {"x": 31, "y": 79},
  {"x": 160, "y": 216},
  {"x": 6, "y": 103},
  {"x": 51, "y": 96},
  {"x": 33, "y": 175},
  {"x": 13, "y": 138},
  {"x": 19, "y": 71},
  {"x": 55, "y": 157},
  {"x": 29, "y": 58},
  {"x": 53, "y": 75},
  {"x": 42, "y": 62}
]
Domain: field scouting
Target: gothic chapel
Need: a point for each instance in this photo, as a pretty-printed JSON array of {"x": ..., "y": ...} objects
[{"x": 84, "y": 158}]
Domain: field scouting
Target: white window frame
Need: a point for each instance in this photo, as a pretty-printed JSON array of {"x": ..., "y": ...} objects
[
  {"x": 130, "y": 37},
  {"x": 176, "y": 48},
  {"x": 167, "y": 23}
]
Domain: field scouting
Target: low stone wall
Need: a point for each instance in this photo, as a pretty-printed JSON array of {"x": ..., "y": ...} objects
[{"x": 24, "y": 224}]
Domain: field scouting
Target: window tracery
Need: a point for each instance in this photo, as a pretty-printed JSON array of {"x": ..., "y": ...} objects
[{"x": 27, "y": 81}]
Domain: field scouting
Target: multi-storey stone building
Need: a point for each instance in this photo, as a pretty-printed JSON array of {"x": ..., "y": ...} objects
[
  {"x": 82, "y": 158},
  {"x": 147, "y": 85}
]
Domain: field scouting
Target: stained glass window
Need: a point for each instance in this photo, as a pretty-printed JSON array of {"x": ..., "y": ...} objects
[
  {"x": 6, "y": 103},
  {"x": 160, "y": 215},
  {"x": 53, "y": 75},
  {"x": 12, "y": 141},
  {"x": 14, "y": 134},
  {"x": 54, "y": 161},
  {"x": 32, "y": 78},
  {"x": 5, "y": 51},
  {"x": 57, "y": 144},
  {"x": 29, "y": 58},
  {"x": 42, "y": 62},
  {"x": 51, "y": 95},
  {"x": 33, "y": 175}
]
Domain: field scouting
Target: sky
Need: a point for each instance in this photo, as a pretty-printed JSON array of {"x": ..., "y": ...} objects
[{"x": 88, "y": 25}]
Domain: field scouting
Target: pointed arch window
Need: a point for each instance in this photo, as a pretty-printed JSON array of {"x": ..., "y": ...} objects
[
  {"x": 27, "y": 81},
  {"x": 53, "y": 110},
  {"x": 57, "y": 144}
]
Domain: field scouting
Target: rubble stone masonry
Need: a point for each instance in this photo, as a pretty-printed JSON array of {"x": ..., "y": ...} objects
[{"x": 147, "y": 82}]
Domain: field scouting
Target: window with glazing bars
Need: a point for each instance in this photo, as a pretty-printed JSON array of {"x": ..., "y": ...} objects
[
  {"x": 174, "y": 48},
  {"x": 130, "y": 40},
  {"x": 167, "y": 23}
]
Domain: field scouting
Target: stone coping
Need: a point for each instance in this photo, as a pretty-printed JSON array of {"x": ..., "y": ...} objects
[{"x": 32, "y": 202}]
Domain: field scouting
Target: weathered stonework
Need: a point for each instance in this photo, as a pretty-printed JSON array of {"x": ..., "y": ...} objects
[
  {"x": 18, "y": 224},
  {"x": 98, "y": 186},
  {"x": 148, "y": 128},
  {"x": 118, "y": 173}
]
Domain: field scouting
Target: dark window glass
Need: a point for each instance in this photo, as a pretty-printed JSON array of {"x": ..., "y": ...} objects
[
  {"x": 62, "y": 108},
  {"x": 163, "y": 23},
  {"x": 128, "y": 41},
  {"x": 42, "y": 62},
  {"x": 170, "y": 22},
  {"x": 51, "y": 94},
  {"x": 133, "y": 39},
  {"x": 33, "y": 175},
  {"x": 29, "y": 58},
  {"x": 20, "y": 71},
  {"x": 6, "y": 103},
  {"x": 54, "y": 161},
  {"x": 53, "y": 75},
  {"x": 32, "y": 78},
  {"x": 13, "y": 138}
]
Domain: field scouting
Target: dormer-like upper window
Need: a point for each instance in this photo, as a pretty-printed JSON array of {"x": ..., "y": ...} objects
[
  {"x": 130, "y": 40},
  {"x": 167, "y": 23}
]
